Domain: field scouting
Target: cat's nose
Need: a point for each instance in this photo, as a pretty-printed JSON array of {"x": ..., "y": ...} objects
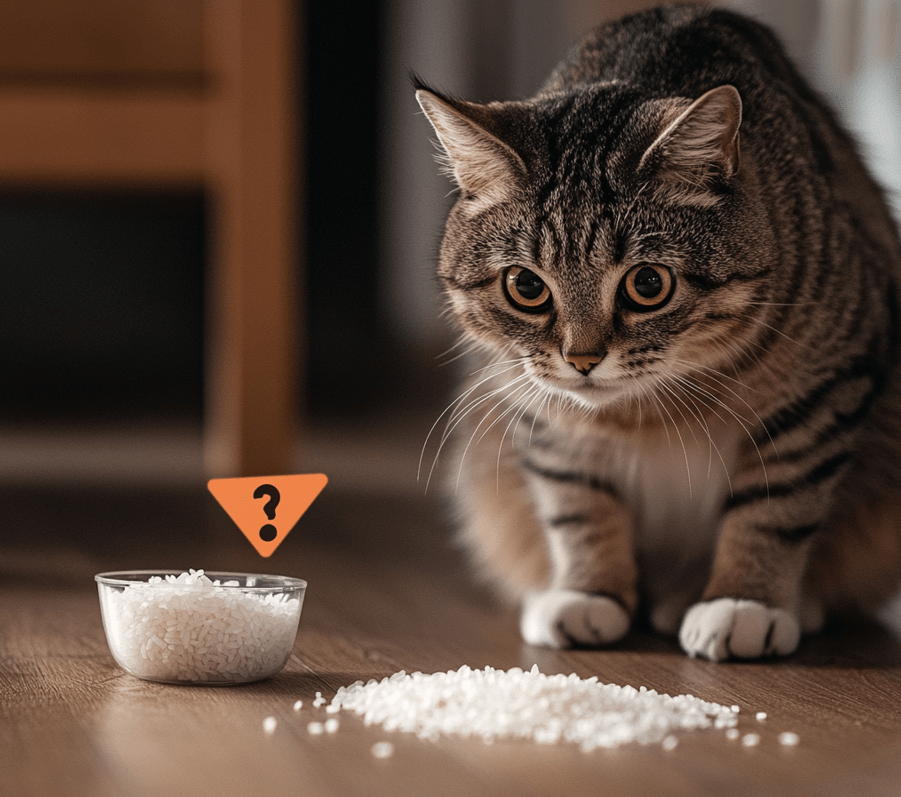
[{"x": 583, "y": 363}]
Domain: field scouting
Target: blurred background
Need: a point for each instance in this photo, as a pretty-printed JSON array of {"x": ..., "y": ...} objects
[{"x": 118, "y": 235}]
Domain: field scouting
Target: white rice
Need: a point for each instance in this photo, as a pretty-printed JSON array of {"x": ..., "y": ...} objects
[
  {"x": 190, "y": 628},
  {"x": 516, "y": 704},
  {"x": 382, "y": 750}
]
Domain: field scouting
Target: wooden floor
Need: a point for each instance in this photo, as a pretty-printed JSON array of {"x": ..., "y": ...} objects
[{"x": 386, "y": 592}]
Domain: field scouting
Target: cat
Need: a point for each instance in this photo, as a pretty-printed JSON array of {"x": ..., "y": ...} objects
[{"x": 680, "y": 288}]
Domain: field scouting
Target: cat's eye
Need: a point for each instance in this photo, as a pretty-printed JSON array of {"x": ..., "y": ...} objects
[
  {"x": 646, "y": 288},
  {"x": 526, "y": 290}
]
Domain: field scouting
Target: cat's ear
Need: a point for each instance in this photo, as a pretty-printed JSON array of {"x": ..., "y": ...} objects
[
  {"x": 484, "y": 167},
  {"x": 698, "y": 148}
]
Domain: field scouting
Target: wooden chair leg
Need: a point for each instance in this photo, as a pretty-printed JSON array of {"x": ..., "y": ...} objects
[{"x": 252, "y": 307}]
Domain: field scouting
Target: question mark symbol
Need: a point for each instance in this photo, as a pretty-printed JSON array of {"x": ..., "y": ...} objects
[{"x": 268, "y": 533}]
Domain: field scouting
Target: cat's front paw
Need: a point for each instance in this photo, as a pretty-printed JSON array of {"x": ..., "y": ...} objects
[
  {"x": 743, "y": 629},
  {"x": 563, "y": 618}
]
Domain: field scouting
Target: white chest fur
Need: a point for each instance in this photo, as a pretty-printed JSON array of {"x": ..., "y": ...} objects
[
  {"x": 675, "y": 488},
  {"x": 674, "y": 485}
]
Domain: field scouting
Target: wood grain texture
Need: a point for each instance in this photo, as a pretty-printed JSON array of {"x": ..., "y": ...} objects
[
  {"x": 149, "y": 94},
  {"x": 85, "y": 137},
  {"x": 387, "y": 592},
  {"x": 44, "y": 40},
  {"x": 250, "y": 157}
]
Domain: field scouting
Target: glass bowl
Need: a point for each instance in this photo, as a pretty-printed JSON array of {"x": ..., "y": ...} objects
[{"x": 202, "y": 628}]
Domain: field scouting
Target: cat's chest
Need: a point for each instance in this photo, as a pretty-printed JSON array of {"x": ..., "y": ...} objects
[
  {"x": 674, "y": 481},
  {"x": 675, "y": 487}
]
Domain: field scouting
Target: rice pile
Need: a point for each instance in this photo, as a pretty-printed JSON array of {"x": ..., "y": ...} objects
[
  {"x": 191, "y": 628},
  {"x": 517, "y": 704}
]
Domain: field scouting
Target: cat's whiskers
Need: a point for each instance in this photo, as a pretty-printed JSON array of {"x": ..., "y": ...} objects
[
  {"x": 685, "y": 382},
  {"x": 784, "y": 304},
  {"x": 474, "y": 346},
  {"x": 735, "y": 354},
  {"x": 528, "y": 385},
  {"x": 674, "y": 402},
  {"x": 457, "y": 404},
  {"x": 673, "y": 399},
  {"x": 690, "y": 384},
  {"x": 687, "y": 387},
  {"x": 655, "y": 402},
  {"x": 713, "y": 374},
  {"x": 462, "y": 340},
  {"x": 458, "y": 412},
  {"x": 458, "y": 419},
  {"x": 514, "y": 361},
  {"x": 779, "y": 332},
  {"x": 670, "y": 386},
  {"x": 513, "y": 408},
  {"x": 677, "y": 385},
  {"x": 718, "y": 374},
  {"x": 524, "y": 403},
  {"x": 469, "y": 346},
  {"x": 544, "y": 400},
  {"x": 660, "y": 405}
]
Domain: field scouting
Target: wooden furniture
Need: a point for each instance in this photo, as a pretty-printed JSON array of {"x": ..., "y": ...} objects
[{"x": 145, "y": 94}]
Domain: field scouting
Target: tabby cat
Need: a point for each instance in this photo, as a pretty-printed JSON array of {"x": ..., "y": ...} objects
[{"x": 681, "y": 290}]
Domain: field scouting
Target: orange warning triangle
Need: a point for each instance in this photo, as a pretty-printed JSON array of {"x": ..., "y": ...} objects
[{"x": 266, "y": 508}]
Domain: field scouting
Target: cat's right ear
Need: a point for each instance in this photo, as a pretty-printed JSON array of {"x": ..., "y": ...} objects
[
  {"x": 698, "y": 148},
  {"x": 484, "y": 167}
]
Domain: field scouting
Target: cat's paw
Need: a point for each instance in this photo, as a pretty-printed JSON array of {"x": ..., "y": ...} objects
[
  {"x": 743, "y": 629},
  {"x": 563, "y": 618}
]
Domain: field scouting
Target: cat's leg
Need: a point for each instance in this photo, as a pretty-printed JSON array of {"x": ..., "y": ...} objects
[
  {"x": 784, "y": 499},
  {"x": 592, "y": 594},
  {"x": 751, "y": 604},
  {"x": 497, "y": 524},
  {"x": 855, "y": 568}
]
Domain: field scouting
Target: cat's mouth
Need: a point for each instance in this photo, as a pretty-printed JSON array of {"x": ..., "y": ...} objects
[
  {"x": 595, "y": 393},
  {"x": 603, "y": 387}
]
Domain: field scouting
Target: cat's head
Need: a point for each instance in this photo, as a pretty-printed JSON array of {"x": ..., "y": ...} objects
[{"x": 609, "y": 240}]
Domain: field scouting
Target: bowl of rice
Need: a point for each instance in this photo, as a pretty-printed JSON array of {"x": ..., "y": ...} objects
[{"x": 200, "y": 628}]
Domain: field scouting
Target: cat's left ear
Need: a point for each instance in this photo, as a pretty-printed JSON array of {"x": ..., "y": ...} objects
[
  {"x": 699, "y": 147},
  {"x": 484, "y": 167}
]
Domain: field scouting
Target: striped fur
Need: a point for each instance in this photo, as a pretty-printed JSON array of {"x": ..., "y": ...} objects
[{"x": 728, "y": 460}]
